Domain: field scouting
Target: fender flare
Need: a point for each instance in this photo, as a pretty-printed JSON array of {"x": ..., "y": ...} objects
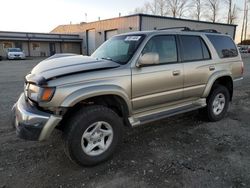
[
  {"x": 95, "y": 91},
  {"x": 213, "y": 78}
]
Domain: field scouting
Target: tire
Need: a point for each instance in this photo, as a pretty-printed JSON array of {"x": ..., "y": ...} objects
[
  {"x": 85, "y": 143},
  {"x": 217, "y": 104}
]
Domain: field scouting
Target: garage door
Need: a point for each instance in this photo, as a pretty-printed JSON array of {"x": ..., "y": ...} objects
[
  {"x": 91, "y": 41},
  {"x": 111, "y": 33}
]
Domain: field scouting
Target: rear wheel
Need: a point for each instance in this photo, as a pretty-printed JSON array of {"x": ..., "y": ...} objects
[
  {"x": 217, "y": 103},
  {"x": 92, "y": 135}
]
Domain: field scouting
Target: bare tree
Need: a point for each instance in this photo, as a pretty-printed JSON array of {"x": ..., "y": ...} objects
[
  {"x": 213, "y": 8},
  {"x": 158, "y": 7},
  {"x": 233, "y": 15},
  {"x": 197, "y": 9},
  {"x": 155, "y": 7},
  {"x": 145, "y": 9},
  {"x": 177, "y": 8},
  {"x": 162, "y": 7},
  {"x": 174, "y": 8},
  {"x": 229, "y": 4},
  {"x": 232, "y": 11}
]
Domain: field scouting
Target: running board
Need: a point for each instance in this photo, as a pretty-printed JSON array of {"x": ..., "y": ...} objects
[{"x": 167, "y": 113}]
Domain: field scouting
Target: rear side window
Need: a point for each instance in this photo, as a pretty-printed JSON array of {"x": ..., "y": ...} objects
[
  {"x": 194, "y": 48},
  {"x": 224, "y": 46}
]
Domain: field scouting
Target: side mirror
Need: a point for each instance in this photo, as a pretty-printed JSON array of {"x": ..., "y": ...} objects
[{"x": 149, "y": 59}]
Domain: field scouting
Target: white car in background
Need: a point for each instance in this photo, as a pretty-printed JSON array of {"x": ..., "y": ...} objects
[{"x": 15, "y": 53}]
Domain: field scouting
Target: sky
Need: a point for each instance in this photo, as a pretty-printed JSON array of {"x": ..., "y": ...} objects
[{"x": 45, "y": 15}]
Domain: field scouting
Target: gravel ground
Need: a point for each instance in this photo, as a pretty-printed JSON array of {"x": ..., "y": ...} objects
[{"x": 181, "y": 151}]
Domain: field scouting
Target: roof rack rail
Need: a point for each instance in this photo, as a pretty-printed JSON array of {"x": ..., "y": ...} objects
[
  {"x": 169, "y": 28},
  {"x": 188, "y": 29},
  {"x": 207, "y": 31}
]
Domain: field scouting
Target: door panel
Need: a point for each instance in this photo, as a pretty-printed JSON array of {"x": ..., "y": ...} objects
[
  {"x": 91, "y": 41},
  {"x": 111, "y": 33},
  {"x": 52, "y": 49},
  {"x": 156, "y": 85},
  {"x": 195, "y": 78},
  {"x": 197, "y": 62}
]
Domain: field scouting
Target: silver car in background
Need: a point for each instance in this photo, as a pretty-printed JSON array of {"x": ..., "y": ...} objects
[{"x": 15, "y": 53}]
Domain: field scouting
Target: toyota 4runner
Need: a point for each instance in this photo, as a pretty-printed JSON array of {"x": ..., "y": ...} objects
[{"x": 130, "y": 80}]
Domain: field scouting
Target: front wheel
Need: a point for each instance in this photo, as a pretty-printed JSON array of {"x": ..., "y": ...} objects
[
  {"x": 217, "y": 103},
  {"x": 92, "y": 135}
]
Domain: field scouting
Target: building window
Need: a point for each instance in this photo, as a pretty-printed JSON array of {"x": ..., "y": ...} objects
[
  {"x": 7, "y": 45},
  {"x": 35, "y": 46}
]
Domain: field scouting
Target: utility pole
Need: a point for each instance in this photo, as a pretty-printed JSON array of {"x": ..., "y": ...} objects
[
  {"x": 229, "y": 11},
  {"x": 246, "y": 23},
  {"x": 243, "y": 23}
]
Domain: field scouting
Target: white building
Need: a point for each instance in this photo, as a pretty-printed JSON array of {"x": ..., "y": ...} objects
[
  {"x": 39, "y": 44},
  {"x": 95, "y": 33}
]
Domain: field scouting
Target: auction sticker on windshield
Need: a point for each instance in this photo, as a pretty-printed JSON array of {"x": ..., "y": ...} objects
[{"x": 132, "y": 38}]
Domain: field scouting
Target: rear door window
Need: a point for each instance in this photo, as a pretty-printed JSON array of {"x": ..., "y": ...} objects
[
  {"x": 193, "y": 48},
  {"x": 224, "y": 46}
]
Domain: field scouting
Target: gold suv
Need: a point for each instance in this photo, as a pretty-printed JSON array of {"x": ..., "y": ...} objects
[{"x": 130, "y": 80}]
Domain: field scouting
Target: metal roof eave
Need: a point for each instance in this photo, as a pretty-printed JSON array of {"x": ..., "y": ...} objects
[{"x": 12, "y": 38}]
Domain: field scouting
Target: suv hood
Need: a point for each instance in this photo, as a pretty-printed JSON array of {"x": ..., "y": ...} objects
[{"x": 61, "y": 65}]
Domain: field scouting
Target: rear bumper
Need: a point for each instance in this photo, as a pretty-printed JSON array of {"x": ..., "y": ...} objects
[{"x": 31, "y": 123}]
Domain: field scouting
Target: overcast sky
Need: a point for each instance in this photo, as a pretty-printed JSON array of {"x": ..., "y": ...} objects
[{"x": 43, "y": 16}]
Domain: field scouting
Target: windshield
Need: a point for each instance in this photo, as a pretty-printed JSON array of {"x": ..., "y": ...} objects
[
  {"x": 119, "y": 49},
  {"x": 14, "y": 50}
]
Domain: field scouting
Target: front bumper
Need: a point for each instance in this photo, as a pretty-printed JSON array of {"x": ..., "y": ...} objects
[
  {"x": 31, "y": 123},
  {"x": 15, "y": 57}
]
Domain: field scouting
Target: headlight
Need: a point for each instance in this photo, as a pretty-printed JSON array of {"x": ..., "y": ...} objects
[{"x": 40, "y": 94}]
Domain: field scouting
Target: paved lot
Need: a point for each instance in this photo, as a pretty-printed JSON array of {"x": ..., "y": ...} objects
[{"x": 180, "y": 151}]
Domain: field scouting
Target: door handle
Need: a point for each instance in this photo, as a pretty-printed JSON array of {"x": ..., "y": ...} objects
[
  {"x": 176, "y": 73},
  {"x": 212, "y": 68}
]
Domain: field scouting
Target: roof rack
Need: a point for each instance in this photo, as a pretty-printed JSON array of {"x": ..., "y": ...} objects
[
  {"x": 207, "y": 31},
  {"x": 188, "y": 29},
  {"x": 170, "y": 28}
]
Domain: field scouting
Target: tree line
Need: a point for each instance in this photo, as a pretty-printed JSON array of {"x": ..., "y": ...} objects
[{"x": 207, "y": 10}]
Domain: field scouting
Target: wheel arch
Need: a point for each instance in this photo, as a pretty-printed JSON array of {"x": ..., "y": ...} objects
[
  {"x": 222, "y": 78},
  {"x": 113, "y": 98}
]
